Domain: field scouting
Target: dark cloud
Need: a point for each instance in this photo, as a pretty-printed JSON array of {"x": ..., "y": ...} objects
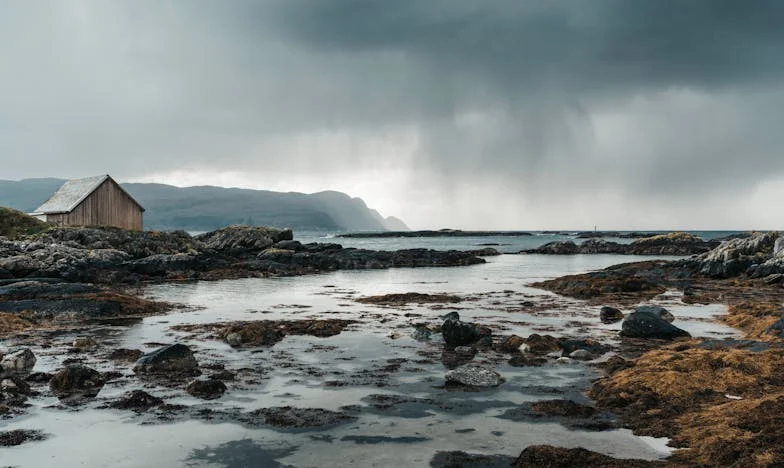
[{"x": 635, "y": 102}]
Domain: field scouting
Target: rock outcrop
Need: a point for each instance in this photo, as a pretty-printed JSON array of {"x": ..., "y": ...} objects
[
  {"x": 675, "y": 243},
  {"x": 756, "y": 255},
  {"x": 112, "y": 255}
]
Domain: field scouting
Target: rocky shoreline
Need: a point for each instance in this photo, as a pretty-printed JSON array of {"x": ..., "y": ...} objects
[
  {"x": 116, "y": 256},
  {"x": 719, "y": 401}
]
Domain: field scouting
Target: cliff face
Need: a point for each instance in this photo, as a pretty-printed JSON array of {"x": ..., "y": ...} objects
[{"x": 207, "y": 208}]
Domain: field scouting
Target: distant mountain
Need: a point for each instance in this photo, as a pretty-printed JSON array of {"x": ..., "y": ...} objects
[{"x": 206, "y": 208}]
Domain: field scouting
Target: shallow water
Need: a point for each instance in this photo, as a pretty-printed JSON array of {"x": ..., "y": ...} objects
[{"x": 376, "y": 356}]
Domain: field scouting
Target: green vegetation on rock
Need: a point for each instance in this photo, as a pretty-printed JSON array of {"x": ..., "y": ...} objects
[{"x": 14, "y": 224}]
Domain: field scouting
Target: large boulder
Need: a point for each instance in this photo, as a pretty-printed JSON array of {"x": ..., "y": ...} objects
[
  {"x": 474, "y": 376},
  {"x": 76, "y": 381},
  {"x": 458, "y": 333},
  {"x": 176, "y": 359},
  {"x": 649, "y": 325},
  {"x": 236, "y": 239}
]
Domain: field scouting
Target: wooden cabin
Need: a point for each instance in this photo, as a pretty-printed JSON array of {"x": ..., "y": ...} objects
[{"x": 93, "y": 201}]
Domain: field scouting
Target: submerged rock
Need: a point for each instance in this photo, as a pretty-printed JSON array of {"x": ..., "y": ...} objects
[
  {"x": 76, "y": 380},
  {"x": 649, "y": 325},
  {"x": 136, "y": 400},
  {"x": 610, "y": 315},
  {"x": 206, "y": 389},
  {"x": 457, "y": 332},
  {"x": 176, "y": 359},
  {"x": 474, "y": 376}
]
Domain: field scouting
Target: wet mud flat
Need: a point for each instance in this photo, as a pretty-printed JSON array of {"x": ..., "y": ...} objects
[{"x": 331, "y": 370}]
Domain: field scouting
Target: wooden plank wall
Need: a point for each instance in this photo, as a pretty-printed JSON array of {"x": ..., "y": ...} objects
[{"x": 108, "y": 205}]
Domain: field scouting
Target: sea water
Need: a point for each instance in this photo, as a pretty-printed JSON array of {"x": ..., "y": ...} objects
[{"x": 298, "y": 370}]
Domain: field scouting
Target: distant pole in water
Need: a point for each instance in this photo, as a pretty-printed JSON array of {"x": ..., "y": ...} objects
[{"x": 594, "y": 228}]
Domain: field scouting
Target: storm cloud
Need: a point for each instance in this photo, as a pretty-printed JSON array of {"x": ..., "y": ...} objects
[{"x": 474, "y": 114}]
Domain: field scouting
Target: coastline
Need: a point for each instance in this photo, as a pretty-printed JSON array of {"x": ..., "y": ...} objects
[{"x": 603, "y": 287}]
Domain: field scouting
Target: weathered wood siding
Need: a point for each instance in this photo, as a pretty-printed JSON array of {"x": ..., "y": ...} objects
[{"x": 108, "y": 205}]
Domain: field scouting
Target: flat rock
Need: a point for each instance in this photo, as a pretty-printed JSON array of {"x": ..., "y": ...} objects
[
  {"x": 474, "y": 376},
  {"x": 136, "y": 400}
]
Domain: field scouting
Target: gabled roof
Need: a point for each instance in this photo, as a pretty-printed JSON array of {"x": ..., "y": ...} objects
[{"x": 73, "y": 192}]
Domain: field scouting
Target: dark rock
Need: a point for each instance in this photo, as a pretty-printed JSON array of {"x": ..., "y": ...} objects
[
  {"x": 76, "y": 381},
  {"x": 290, "y": 417},
  {"x": 136, "y": 400},
  {"x": 592, "y": 346},
  {"x": 527, "y": 360},
  {"x": 469, "y": 460},
  {"x": 511, "y": 344},
  {"x": 206, "y": 389},
  {"x": 457, "y": 332},
  {"x": 410, "y": 298},
  {"x": 542, "y": 344},
  {"x": 556, "y": 248},
  {"x": 649, "y": 325},
  {"x": 234, "y": 240},
  {"x": 658, "y": 311},
  {"x": 19, "y": 436},
  {"x": 176, "y": 359},
  {"x": 610, "y": 315},
  {"x": 474, "y": 376}
]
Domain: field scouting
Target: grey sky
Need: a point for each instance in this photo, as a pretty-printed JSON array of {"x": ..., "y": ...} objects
[{"x": 473, "y": 114}]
